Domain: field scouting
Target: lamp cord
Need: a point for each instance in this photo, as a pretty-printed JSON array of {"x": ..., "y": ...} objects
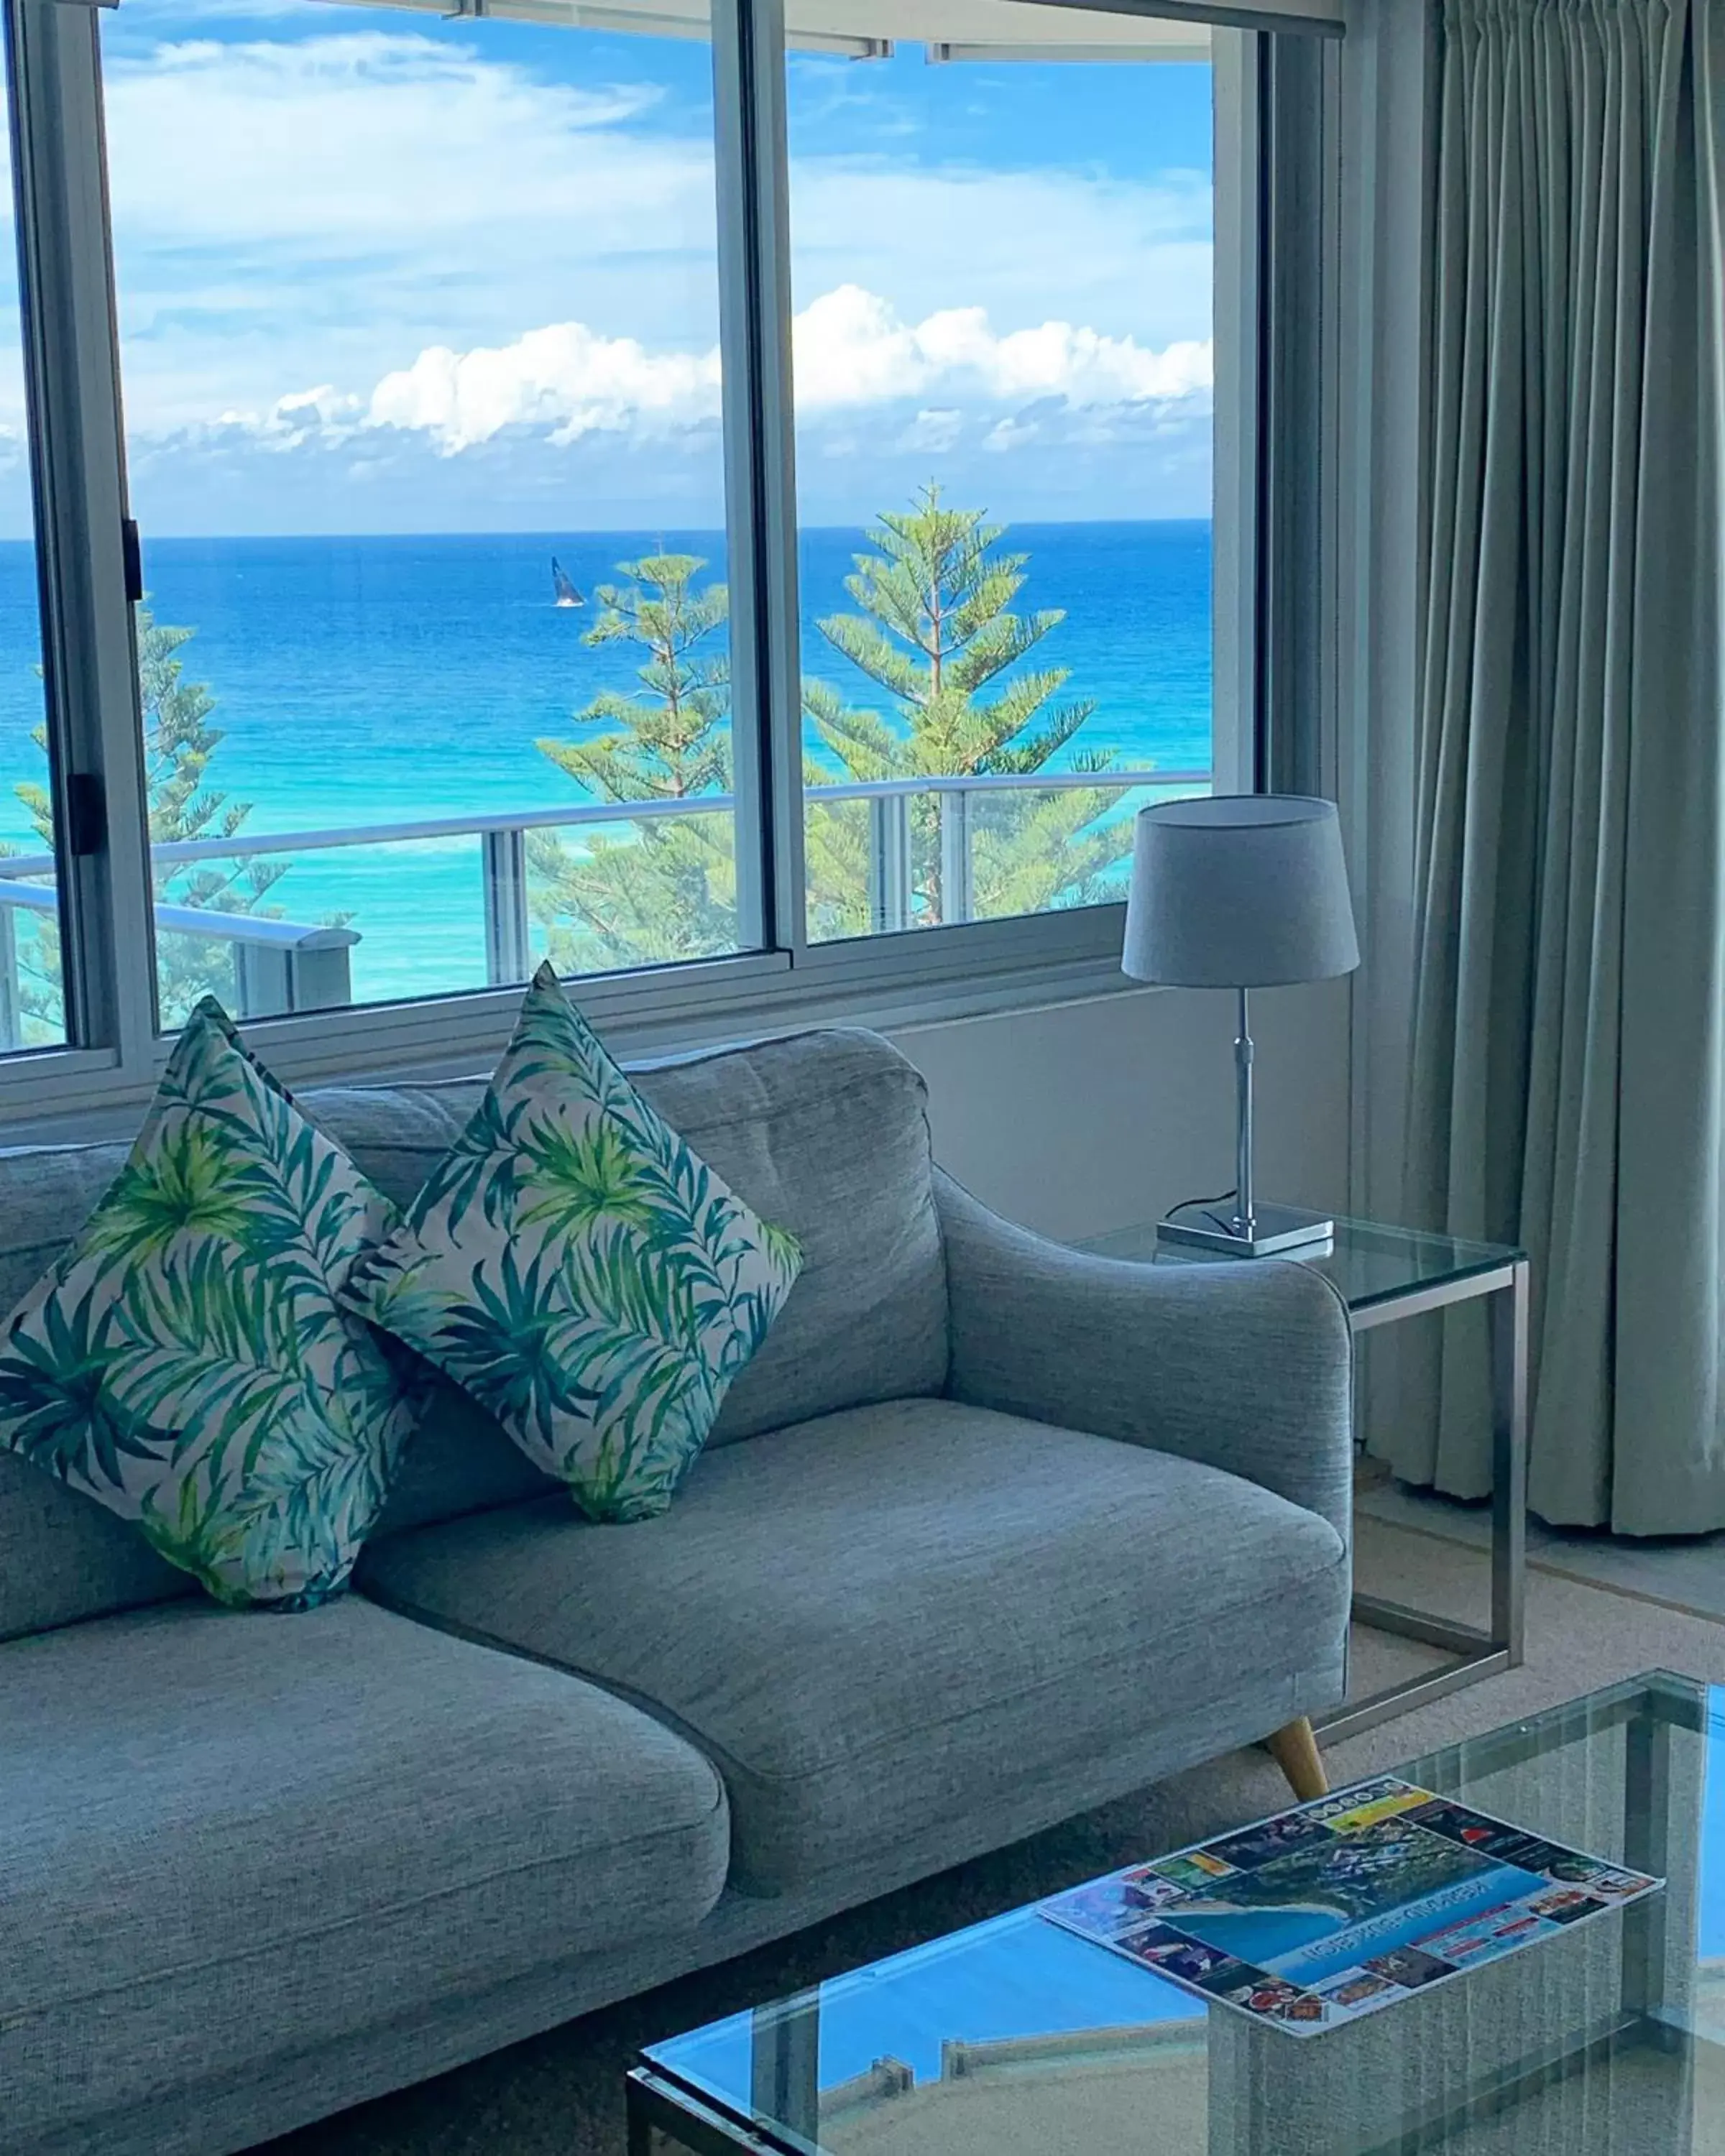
[{"x": 1221, "y": 1197}]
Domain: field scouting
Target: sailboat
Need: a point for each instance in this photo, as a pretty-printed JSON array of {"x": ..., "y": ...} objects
[{"x": 567, "y": 596}]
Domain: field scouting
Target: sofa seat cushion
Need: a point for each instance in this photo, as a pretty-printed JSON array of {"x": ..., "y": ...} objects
[
  {"x": 903, "y": 1615},
  {"x": 231, "y": 1835}
]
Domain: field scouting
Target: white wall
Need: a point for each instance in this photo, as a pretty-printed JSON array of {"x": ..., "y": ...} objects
[{"x": 1083, "y": 1117}]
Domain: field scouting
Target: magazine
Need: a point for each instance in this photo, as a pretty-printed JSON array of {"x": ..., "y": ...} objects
[{"x": 1345, "y": 1906}]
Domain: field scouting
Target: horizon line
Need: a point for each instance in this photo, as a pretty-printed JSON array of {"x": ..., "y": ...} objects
[{"x": 152, "y": 538}]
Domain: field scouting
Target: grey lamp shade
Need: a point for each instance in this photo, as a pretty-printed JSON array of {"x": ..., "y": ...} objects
[{"x": 1242, "y": 890}]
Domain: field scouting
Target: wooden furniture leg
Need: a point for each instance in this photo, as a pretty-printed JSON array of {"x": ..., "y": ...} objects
[{"x": 1294, "y": 1749}]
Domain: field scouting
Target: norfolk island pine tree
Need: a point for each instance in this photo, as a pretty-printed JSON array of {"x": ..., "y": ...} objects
[
  {"x": 938, "y": 634},
  {"x": 935, "y": 633},
  {"x": 668, "y": 890},
  {"x": 179, "y": 743}
]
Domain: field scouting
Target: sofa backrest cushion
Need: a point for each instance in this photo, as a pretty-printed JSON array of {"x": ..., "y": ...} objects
[
  {"x": 62, "y": 1555},
  {"x": 824, "y": 1133}
]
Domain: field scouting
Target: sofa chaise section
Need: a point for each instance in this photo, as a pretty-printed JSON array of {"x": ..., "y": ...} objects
[{"x": 230, "y": 1840}]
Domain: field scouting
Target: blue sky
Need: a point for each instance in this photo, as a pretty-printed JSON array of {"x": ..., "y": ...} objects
[{"x": 380, "y": 271}]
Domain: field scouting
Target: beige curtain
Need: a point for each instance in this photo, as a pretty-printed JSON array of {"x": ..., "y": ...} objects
[{"x": 1569, "y": 1027}]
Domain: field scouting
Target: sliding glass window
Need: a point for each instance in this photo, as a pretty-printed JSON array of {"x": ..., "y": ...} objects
[
  {"x": 33, "y": 1012},
  {"x": 419, "y": 352},
  {"x": 704, "y": 491},
  {"x": 1002, "y": 272}
]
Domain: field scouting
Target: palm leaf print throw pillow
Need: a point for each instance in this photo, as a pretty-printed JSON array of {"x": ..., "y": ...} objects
[
  {"x": 186, "y": 1363},
  {"x": 575, "y": 1267}
]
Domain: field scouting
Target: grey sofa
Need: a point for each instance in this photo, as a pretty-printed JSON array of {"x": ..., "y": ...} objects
[{"x": 990, "y": 1533}]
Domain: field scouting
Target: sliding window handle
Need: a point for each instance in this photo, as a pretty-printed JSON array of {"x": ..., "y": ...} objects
[
  {"x": 133, "y": 555},
  {"x": 86, "y": 815}
]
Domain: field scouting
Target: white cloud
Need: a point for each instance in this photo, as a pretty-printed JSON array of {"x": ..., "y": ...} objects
[
  {"x": 1010, "y": 434},
  {"x": 851, "y": 348},
  {"x": 1027, "y": 245},
  {"x": 375, "y": 208},
  {"x": 564, "y": 377},
  {"x": 311, "y": 207},
  {"x": 296, "y": 418},
  {"x": 851, "y": 352},
  {"x": 362, "y": 137},
  {"x": 936, "y": 432}
]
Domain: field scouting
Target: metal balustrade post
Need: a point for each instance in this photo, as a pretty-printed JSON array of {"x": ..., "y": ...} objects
[
  {"x": 320, "y": 976},
  {"x": 508, "y": 944},
  {"x": 889, "y": 864},
  {"x": 304, "y": 969},
  {"x": 262, "y": 988},
  {"x": 11, "y": 1012},
  {"x": 957, "y": 896}
]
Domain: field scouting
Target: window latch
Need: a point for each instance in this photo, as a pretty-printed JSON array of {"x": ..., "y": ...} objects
[
  {"x": 133, "y": 555},
  {"x": 86, "y": 814}
]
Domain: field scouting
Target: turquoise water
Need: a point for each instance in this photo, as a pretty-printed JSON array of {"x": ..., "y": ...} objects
[
  {"x": 1294, "y": 1942},
  {"x": 1262, "y": 1936},
  {"x": 383, "y": 680}
]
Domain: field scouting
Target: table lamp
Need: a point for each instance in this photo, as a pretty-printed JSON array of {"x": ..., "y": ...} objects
[{"x": 1240, "y": 892}]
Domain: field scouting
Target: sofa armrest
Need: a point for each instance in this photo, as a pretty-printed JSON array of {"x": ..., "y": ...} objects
[{"x": 1245, "y": 1367}]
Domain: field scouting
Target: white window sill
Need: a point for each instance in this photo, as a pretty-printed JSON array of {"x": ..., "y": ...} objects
[{"x": 74, "y": 1098}]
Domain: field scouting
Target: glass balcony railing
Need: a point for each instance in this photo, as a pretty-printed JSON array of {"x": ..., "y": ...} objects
[{"x": 900, "y": 854}]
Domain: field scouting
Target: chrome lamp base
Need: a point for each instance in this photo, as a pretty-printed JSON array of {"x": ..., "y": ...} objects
[
  {"x": 1246, "y": 1229},
  {"x": 1275, "y": 1232}
]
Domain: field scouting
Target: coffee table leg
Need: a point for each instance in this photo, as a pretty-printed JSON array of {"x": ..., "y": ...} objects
[
  {"x": 786, "y": 2063},
  {"x": 640, "y": 2130},
  {"x": 648, "y": 2134},
  {"x": 1646, "y": 1807},
  {"x": 667, "y": 2120},
  {"x": 1509, "y": 1319}
]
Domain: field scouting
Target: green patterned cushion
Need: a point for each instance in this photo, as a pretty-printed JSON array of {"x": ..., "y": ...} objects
[
  {"x": 186, "y": 1363},
  {"x": 580, "y": 1271}
]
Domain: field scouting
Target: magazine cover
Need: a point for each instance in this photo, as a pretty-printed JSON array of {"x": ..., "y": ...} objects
[{"x": 1345, "y": 1905}]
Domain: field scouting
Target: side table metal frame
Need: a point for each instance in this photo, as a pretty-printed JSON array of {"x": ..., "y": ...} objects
[{"x": 1487, "y": 1652}]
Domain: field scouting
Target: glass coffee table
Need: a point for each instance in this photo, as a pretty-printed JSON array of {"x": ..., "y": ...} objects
[
  {"x": 1385, "y": 1274},
  {"x": 1015, "y": 2038}
]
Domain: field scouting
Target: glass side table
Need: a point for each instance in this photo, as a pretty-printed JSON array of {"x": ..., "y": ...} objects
[{"x": 1385, "y": 1273}]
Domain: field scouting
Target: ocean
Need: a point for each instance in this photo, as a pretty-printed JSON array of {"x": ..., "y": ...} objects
[{"x": 382, "y": 679}]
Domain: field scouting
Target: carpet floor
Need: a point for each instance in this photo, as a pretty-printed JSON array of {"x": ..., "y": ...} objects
[
  {"x": 1687, "y": 1572},
  {"x": 560, "y": 2094}
]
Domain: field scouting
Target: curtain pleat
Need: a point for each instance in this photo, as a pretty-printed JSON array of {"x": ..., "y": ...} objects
[{"x": 1568, "y": 1057}]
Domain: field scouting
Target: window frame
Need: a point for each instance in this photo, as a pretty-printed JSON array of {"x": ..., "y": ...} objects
[
  {"x": 88, "y": 652},
  {"x": 779, "y": 978}
]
